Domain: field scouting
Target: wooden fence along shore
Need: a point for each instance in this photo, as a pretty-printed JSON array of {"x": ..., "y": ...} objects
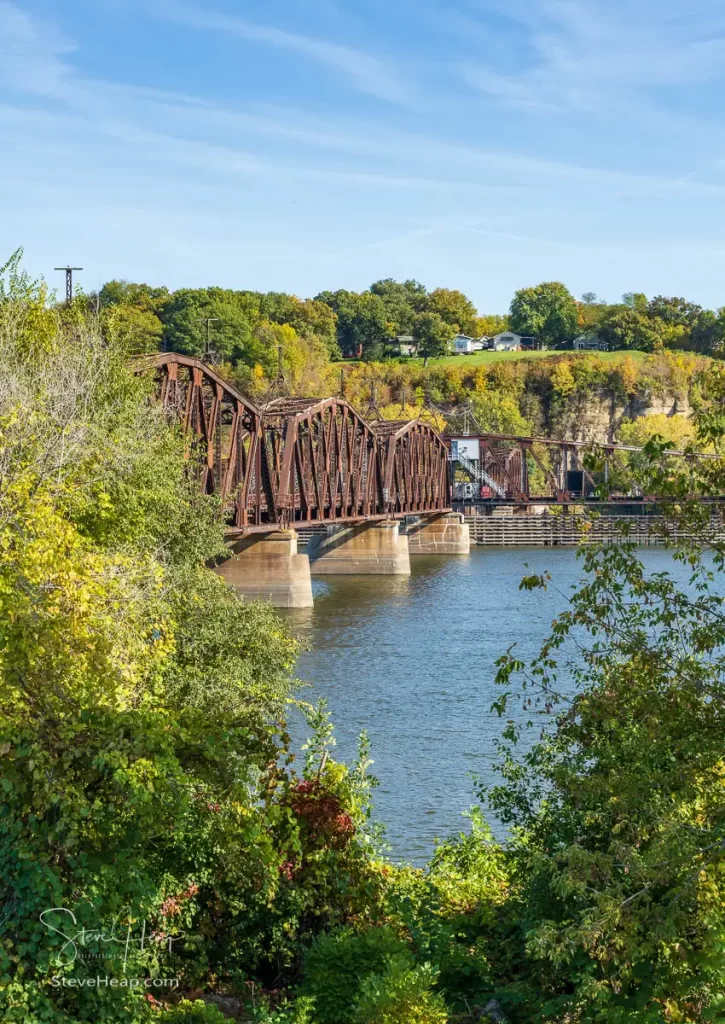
[{"x": 565, "y": 529}]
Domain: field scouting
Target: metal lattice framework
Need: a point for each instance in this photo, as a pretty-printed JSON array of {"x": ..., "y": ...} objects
[
  {"x": 415, "y": 466},
  {"x": 505, "y": 458},
  {"x": 323, "y": 460},
  {"x": 298, "y": 460},
  {"x": 225, "y": 431}
]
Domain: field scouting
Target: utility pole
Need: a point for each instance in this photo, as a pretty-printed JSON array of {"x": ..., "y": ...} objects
[
  {"x": 68, "y": 281},
  {"x": 209, "y": 356}
]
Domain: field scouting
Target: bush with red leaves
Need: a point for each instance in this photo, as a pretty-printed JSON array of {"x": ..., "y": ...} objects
[{"x": 323, "y": 813}]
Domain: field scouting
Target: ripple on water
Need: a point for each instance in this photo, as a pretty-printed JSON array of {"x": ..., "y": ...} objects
[{"x": 412, "y": 661}]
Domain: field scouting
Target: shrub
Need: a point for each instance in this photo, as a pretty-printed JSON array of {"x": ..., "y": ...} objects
[
  {"x": 338, "y": 964},
  {"x": 401, "y": 995},
  {"x": 193, "y": 1012}
]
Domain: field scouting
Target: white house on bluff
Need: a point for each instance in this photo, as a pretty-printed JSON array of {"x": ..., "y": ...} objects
[
  {"x": 463, "y": 345},
  {"x": 509, "y": 341}
]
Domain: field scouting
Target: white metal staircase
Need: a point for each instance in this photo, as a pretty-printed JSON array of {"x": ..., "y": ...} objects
[{"x": 479, "y": 474}]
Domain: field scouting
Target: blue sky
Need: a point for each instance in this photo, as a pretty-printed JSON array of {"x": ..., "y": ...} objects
[{"x": 306, "y": 144}]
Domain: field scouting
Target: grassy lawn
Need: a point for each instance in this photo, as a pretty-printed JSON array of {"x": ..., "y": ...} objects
[{"x": 486, "y": 357}]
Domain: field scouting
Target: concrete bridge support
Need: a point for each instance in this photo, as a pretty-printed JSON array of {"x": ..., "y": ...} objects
[
  {"x": 267, "y": 566},
  {"x": 442, "y": 535},
  {"x": 367, "y": 549}
]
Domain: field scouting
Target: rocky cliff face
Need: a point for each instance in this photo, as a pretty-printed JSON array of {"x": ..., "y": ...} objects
[{"x": 598, "y": 415}]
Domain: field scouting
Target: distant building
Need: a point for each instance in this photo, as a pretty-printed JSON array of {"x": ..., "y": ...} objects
[
  {"x": 507, "y": 341},
  {"x": 590, "y": 342},
  {"x": 462, "y": 345},
  {"x": 405, "y": 344}
]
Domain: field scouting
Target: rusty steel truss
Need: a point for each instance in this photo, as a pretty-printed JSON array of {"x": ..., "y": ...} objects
[
  {"x": 298, "y": 460},
  {"x": 507, "y": 459}
]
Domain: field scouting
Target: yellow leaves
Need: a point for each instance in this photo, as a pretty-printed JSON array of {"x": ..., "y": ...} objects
[
  {"x": 82, "y": 627},
  {"x": 630, "y": 376},
  {"x": 678, "y": 431},
  {"x": 562, "y": 379},
  {"x": 673, "y": 1012},
  {"x": 480, "y": 380}
]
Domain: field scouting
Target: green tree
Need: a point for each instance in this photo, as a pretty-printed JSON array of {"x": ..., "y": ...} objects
[
  {"x": 627, "y": 328},
  {"x": 674, "y": 311},
  {"x": 137, "y": 329},
  {"x": 308, "y": 317},
  {"x": 454, "y": 308},
  {"x": 547, "y": 312},
  {"x": 618, "y": 814},
  {"x": 234, "y": 316},
  {"x": 129, "y": 293},
  {"x": 362, "y": 322},
  {"x": 635, "y": 300},
  {"x": 144, "y": 772},
  {"x": 708, "y": 333},
  {"x": 432, "y": 336},
  {"x": 403, "y": 301}
]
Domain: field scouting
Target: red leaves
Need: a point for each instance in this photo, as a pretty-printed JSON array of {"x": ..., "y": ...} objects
[
  {"x": 172, "y": 905},
  {"x": 323, "y": 813}
]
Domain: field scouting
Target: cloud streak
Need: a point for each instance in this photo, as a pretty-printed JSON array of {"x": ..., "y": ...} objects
[
  {"x": 368, "y": 73},
  {"x": 593, "y": 55}
]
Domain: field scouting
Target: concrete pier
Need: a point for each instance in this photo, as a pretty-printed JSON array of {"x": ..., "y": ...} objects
[
  {"x": 266, "y": 566},
  {"x": 443, "y": 535},
  {"x": 367, "y": 549}
]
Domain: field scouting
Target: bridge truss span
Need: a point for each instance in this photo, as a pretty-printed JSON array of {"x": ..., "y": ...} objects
[
  {"x": 297, "y": 460},
  {"x": 225, "y": 434},
  {"x": 414, "y": 466},
  {"x": 322, "y": 456}
]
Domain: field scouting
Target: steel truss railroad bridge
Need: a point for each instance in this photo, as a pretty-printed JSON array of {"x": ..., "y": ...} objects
[{"x": 299, "y": 461}]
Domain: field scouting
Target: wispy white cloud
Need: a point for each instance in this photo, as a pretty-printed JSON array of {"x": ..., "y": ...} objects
[
  {"x": 216, "y": 187},
  {"x": 31, "y": 52},
  {"x": 576, "y": 55},
  {"x": 201, "y": 134},
  {"x": 367, "y": 72}
]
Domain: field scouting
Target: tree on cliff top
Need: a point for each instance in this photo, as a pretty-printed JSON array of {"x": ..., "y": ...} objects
[
  {"x": 547, "y": 312},
  {"x": 432, "y": 335},
  {"x": 362, "y": 322},
  {"x": 455, "y": 308}
]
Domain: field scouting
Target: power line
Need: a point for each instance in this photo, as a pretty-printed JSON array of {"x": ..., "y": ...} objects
[{"x": 68, "y": 281}]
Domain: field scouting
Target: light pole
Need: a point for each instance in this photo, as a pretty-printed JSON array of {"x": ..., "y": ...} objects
[{"x": 68, "y": 281}]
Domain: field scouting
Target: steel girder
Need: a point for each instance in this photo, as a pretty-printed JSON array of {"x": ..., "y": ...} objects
[
  {"x": 414, "y": 461},
  {"x": 298, "y": 460},
  {"x": 225, "y": 430}
]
